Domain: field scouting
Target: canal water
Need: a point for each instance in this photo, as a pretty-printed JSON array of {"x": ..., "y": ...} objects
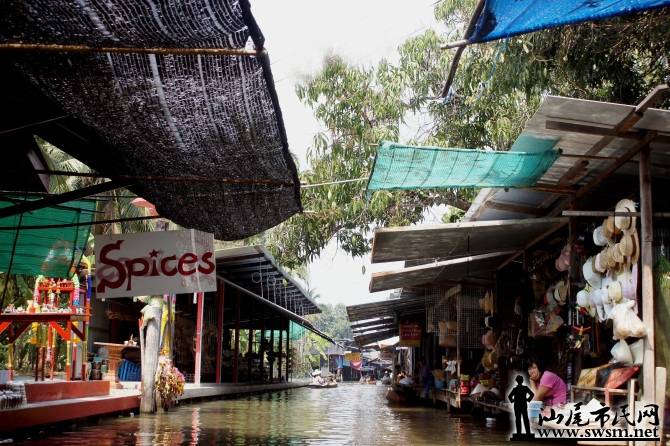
[{"x": 351, "y": 414}]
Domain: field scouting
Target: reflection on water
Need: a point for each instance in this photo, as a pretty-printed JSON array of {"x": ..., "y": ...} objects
[{"x": 352, "y": 414}]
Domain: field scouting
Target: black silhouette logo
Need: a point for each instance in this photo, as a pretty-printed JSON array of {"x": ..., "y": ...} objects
[{"x": 520, "y": 396}]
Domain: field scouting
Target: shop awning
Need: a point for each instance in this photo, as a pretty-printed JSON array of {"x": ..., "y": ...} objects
[
  {"x": 592, "y": 149},
  {"x": 403, "y": 167},
  {"x": 463, "y": 269},
  {"x": 132, "y": 92},
  {"x": 26, "y": 248},
  {"x": 448, "y": 241},
  {"x": 377, "y": 321},
  {"x": 254, "y": 269},
  {"x": 279, "y": 309}
]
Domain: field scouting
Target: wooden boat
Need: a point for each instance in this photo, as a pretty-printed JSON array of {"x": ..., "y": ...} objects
[{"x": 322, "y": 386}]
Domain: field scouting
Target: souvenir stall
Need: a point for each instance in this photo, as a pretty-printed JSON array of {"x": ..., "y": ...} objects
[{"x": 458, "y": 316}]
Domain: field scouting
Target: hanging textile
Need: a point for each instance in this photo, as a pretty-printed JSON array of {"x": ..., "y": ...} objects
[
  {"x": 503, "y": 18},
  {"x": 399, "y": 166}
]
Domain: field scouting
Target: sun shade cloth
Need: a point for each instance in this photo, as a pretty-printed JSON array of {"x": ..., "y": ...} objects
[
  {"x": 161, "y": 115},
  {"x": 50, "y": 252},
  {"x": 504, "y": 18},
  {"x": 400, "y": 166}
]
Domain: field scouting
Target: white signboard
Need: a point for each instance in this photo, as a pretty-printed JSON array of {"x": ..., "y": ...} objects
[{"x": 150, "y": 263}]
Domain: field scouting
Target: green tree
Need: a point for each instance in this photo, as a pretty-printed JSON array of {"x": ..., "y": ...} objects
[
  {"x": 333, "y": 321},
  {"x": 498, "y": 87}
]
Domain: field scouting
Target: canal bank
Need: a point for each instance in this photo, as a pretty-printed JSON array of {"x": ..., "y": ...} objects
[
  {"x": 351, "y": 414},
  {"x": 46, "y": 414}
]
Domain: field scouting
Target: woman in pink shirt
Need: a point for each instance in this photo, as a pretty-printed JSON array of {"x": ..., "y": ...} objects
[{"x": 549, "y": 387}]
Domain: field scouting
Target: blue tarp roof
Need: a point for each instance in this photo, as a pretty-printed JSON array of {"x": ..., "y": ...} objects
[{"x": 505, "y": 18}]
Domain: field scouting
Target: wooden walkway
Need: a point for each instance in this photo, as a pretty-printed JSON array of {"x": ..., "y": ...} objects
[{"x": 121, "y": 400}]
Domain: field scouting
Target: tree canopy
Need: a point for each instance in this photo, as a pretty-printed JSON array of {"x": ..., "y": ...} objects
[
  {"x": 497, "y": 88},
  {"x": 333, "y": 321}
]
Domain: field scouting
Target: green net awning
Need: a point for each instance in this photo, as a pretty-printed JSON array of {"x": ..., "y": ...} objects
[
  {"x": 296, "y": 331},
  {"x": 399, "y": 166},
  {"x": 48, "y": 251}
]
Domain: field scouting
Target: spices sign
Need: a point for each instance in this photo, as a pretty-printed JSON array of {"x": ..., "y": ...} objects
[
  {"x": 410, "y": 335},
  {"x": 154, "y": 263}
]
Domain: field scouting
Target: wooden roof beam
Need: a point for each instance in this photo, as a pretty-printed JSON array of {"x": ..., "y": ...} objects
[
  {"x": 517, "y": 208},
  {"x": 577, "y": 170},
  {"x": 600, "y": 131}
]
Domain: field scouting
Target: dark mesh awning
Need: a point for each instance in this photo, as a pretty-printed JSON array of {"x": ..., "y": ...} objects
[{"x": 157, "y": 117}]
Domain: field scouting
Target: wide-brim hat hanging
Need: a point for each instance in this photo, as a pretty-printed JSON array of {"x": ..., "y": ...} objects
[
  {"x": 614, "y": 292},
  {"x": 616, "y": 254},
  {"x": 626, "y": 245},
  {"x": 599, "y": 236},
  {"x": 560, "y": 292},
  {"x": 610, "y": 229},
  {"x": 609, "y": 258},
  {"x": 600, "y": 263},
  {"x": 625, "y": 223},
  {"x": 590, "y": 274}
]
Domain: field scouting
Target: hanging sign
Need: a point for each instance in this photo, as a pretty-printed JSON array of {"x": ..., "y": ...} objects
[
  {"x": 154, "y": 263},
  {"x": 352, "y": 356},
  {"x": 410, "y": 335}
]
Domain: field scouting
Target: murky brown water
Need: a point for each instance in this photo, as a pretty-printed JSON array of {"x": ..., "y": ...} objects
[{"x": 351, "y": 414}]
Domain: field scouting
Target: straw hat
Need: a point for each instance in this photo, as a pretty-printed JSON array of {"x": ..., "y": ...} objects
[
  {"x": 600, "y": 263},
  {"x": 614, "y": 292},
  {"x": 616, "y": 254},
  {"x": 599, "y": 236},
  {"x": 625, "y": 223},
  {"x": 561, "y": 292},
  {"x": 609, "y": 258},
  {"x": 590, "y": 274},
  {"x": 626, "y": 245},
  {"x": 610, "y": 229}
]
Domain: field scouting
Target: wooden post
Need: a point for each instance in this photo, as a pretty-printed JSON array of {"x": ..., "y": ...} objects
[
  {"x": 236, "y": 355},
  {"x": 219, "y": 329},
  {"x": 198, "y": 338},
  {"x": 249, "y": 352},
  {"x": 271, "y": 356},
  {"x": 646, "y": 266},
  {"x": 151, "y": 315},
  {"x": 281, "y": 332},
  {"x": 288, "y": 348},
  {"x": 261, "y": 349}
]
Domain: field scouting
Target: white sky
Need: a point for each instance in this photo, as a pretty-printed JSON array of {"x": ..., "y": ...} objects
[{"x": 298, "y": 34}]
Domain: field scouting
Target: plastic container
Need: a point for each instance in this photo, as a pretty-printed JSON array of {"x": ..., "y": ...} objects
[{"x": 534, "y": 409}]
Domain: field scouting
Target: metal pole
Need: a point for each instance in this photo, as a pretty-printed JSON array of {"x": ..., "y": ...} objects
[
  {"x": 236, "y": 356},
  {"x": 219, "y": 329},
  {"x": 198, "y": 338}
]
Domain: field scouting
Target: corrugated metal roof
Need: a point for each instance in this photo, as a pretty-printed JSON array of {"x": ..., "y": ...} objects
[
  {"x": 253, "y": 268},
  {"x": 448, "y": 241}
]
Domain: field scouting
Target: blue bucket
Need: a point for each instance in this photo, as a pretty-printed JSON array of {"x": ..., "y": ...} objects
[{"x": 534, "y": 409}]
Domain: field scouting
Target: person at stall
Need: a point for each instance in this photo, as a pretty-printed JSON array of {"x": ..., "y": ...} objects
[
  {"x": 549, "y": 387},
  {"x": 398, "y": 375}
]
